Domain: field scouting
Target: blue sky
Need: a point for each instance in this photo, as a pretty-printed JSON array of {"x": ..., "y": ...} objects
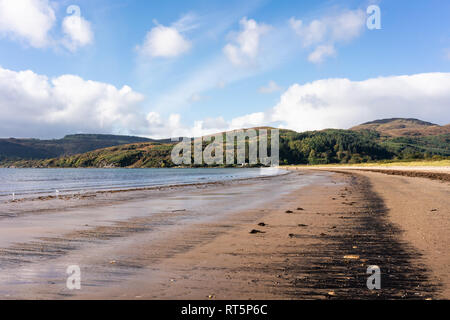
[{"x": 200, "y": 66}]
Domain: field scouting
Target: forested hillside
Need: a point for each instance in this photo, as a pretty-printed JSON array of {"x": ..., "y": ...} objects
[
  {"x": 18, "y": 149},
  {"x": 379, "y": 140}
]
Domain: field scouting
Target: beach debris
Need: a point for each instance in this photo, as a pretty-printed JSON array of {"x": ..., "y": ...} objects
[
  {"x": 302, "y": 225},
  {"x": 331, "y": 293},
  {"x": 14, "y": 196},
  {"x": 351, "y": 257},
  {"x": 254, "y": 231},
  {"x": 323, "y": 234},
  {"x": 182, "y": 210},
  {"x": 289, "y": 211},
  {"x": 300, "y": 209},
  {"x": 355, "y": 247},
  {"x": 112, "y": 262},
  {"x": 434, "y": 210},
  {"x": 333, "y": 227},
  {"x": 262, "y": 224},
  {"x": 211, "y": 296}
]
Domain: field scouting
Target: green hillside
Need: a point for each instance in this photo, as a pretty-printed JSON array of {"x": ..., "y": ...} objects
[
  {"x": 19, "y": 149},
  {"x": 144, "y": 155},
  {"x": 374, "y": 141},
  {"x": 419, "y": 147}
]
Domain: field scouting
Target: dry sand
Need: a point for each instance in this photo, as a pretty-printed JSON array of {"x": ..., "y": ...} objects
[{"x": 307, "y": 235}]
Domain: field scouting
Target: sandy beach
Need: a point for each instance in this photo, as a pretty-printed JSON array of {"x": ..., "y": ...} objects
[{"x": 309, "y": 234}]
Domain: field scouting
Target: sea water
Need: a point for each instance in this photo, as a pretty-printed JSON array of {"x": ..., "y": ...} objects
[{"x": 19, "y": 183}]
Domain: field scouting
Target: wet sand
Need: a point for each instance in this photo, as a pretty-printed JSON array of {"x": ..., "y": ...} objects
[{"x": 307, "y": 235}]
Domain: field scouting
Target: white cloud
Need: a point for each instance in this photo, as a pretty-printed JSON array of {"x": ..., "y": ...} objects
[
  {"x": 31, "y": 21},
  {"x": 33, "y": 105},
  {"x": 27, "y": 20},
  {"x": 245, "y": 47},
  {"x": 154, "y": 118},
  {"x": 186, "y": 23},
  {"x": 215, "y": 125},
  {"x": 248, "y": 121},
  {"x": 321, "y": 52},
  {"x": 323, "y": 34},
  {"x": 209, "y": 126},
  {"x": 341, "y": 103},
  {"x": 78, "y": 32},
  {"x": 347, "y": 25},
  {"x": 160, "y": 128},
  {"x": 310, "y": 34},
  {"x": 270, "y": 88},
  {"x": 167, "y": 42}
]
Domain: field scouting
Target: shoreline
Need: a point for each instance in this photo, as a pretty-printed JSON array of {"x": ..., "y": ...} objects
[
  {"x": 309, "y": 234},
  {"x": 412, "y": 173},
  {"x": 78, "y": 193},
  {"x": 434, "y": 173},
  {"x": 108, "y": 197}
]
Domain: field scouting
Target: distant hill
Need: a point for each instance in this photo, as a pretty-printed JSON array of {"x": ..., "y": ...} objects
[
  {"x": 403, "y": 127},
  {"x": 11, "y": 148},
  {"x": 315, "y": 147},
  {"x": 136, "y": 155},
  {"x": 410, "y": 138},
  {"x": 377, "y": 140}
]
